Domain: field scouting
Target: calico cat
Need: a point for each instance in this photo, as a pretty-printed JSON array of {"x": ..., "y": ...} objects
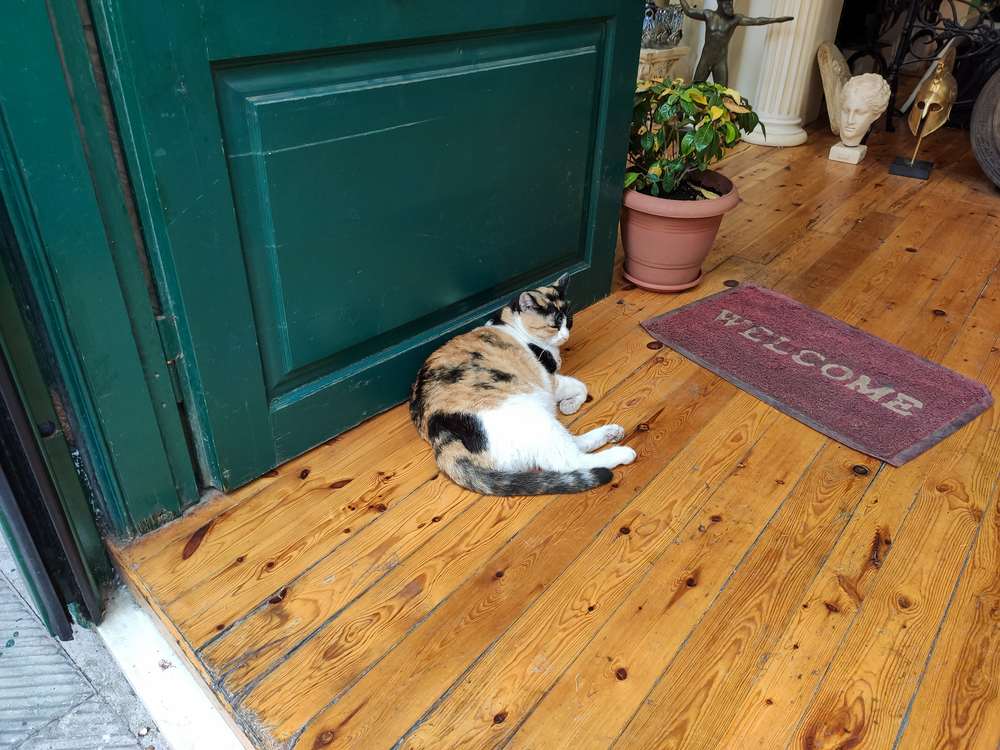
[{"x": 486, "y": 402}]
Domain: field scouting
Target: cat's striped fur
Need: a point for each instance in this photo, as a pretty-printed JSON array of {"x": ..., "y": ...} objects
[{"x": 486, "y": 401}]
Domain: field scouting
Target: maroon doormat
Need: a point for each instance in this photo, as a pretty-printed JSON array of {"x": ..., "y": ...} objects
[{"x": 856, "y": 388}]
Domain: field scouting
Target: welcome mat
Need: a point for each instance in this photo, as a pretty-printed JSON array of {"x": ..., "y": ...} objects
[{"x": 856, "y": 388}]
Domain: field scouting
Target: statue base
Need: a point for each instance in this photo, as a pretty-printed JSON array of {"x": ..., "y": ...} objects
[
  {"x": 848, "y": 154},
  {"x": 918, "y": 170}
]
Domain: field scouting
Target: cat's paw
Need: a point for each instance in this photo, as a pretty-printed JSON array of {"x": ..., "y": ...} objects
[
  {"x": 620, "y": 455},
  {"x": 572, "y": 404},
  {"x": 613, "y": 433}
]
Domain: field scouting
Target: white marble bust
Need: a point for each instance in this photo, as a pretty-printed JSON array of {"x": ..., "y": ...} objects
[{"x": 862, "y": 101}]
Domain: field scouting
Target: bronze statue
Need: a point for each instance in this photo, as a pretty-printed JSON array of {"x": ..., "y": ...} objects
[{"x": 719, "y": 28}]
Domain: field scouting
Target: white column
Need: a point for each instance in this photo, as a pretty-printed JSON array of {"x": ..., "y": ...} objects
[{"x": 789, "y": 85}]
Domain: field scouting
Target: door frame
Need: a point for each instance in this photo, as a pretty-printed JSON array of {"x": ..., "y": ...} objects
[
  {"x": 62, "y": 577},
  {"x": 75, "y": 261}
]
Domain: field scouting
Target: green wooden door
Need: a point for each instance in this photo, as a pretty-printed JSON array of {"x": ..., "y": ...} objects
[{"x": 330, "y": 189}]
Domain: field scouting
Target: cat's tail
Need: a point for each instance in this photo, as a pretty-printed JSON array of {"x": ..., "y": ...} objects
[{"x": 488, "y": 481}]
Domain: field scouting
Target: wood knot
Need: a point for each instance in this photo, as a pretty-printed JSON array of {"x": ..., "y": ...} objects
[
  {"x": 654, "y": 345},
  {"x": 339, "y": 483},
  {"x": 498, "y": 574},
  {"x": 621, "y": 673},
  {"x": 220, "y": 627},
  {"x": 436, "y": 519},
  {"x": 691, "y": 582},
  {"x": 910, "y": 249},
  {"x": 861, "y": 471},
  {"x": 625, "y": 530},
  {"x": 324, "y": 738},
  {"x": 269, "y": 565},
  {"x": 642, "y": 427},
  {"x": 939, "y": 313},
  {"x": 500, "y": 718},
  {"x": 831, "y": 607},
  {"x": 904, "y": 602},
  {"x": 241, "y": 558},
  {"x": 279, "y": 597},
  {"x": 588, "y": 399},
  {"x": 943, "y": 487},
  {"x": 379, "y": 507},
  {"x": 730, "y": 283},
  {"x": 347, "y": 531},
  {"x": 195, "y": 541},
  {"x": 591, "y": 608},
  {"x": 716, "y": 518},
  {"x": 303, "y": 474},
  {"x": 768, "y": 701}
]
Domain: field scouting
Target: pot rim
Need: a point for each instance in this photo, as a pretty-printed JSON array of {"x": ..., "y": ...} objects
[{"x": 678, "y": 209}]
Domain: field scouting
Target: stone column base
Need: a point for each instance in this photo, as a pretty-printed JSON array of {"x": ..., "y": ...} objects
[{"x": 781, "y": 131}]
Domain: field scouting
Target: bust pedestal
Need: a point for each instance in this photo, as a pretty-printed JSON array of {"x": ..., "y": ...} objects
[
  {"x": 848, "y": 154},
  {"x": 659, "y": 63}
]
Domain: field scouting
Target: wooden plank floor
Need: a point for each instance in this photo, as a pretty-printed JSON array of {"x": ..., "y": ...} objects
[{"x": 746, "y": 583}]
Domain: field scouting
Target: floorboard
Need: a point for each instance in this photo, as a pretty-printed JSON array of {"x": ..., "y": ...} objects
[{"x": 746, "y": 583}]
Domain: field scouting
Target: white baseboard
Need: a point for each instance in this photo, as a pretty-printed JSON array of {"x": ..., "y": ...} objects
[{"x": 182, "y": 706}]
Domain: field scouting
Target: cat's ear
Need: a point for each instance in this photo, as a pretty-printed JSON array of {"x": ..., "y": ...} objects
[
  {"x": 525, "y": 302},
  {"x": 561, "y": 285}
]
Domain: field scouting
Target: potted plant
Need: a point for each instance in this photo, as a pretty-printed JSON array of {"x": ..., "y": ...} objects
[{"x": 674, "y": 203}]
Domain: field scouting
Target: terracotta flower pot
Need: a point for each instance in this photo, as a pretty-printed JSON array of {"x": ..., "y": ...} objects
[{"x": 667, "y": 240}]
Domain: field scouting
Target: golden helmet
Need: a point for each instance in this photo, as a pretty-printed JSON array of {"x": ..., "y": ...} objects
[{"x": 935, "y": 97}]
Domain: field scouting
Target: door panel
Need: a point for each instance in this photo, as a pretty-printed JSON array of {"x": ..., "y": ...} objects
[
  {"x": 331, "y": 195},
  {"x": 332, "y": 125}
]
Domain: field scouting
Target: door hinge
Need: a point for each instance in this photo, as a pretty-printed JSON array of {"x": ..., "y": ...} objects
[{"x": 170, "y": 341}]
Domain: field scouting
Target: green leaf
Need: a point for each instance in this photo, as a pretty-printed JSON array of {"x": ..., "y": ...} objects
[
  {"x": 731, "y": 134},
  {"x": 687, "y": 144},
  {"x": 630, "y": 178},
  {"x": 647, "y": 141},
  {"x": 704, "y": 137}
]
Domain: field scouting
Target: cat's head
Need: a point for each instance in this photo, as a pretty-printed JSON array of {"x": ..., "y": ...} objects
[{"x": 544, "y": 313}]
